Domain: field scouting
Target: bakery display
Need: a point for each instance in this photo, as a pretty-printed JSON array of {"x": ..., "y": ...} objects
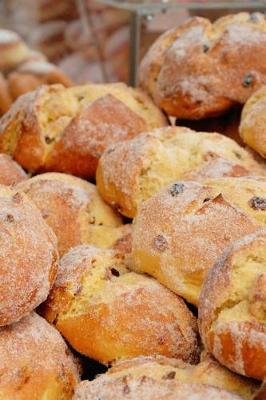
[
  {"x": 108, "y": 313},
  {"x": 110, "y": 387},
  {"x": 74, "y": 210},
  {"x": 28, "y": 256},
  {"x": 131, "y": 172},
  {"x": 252, "y": 127},
  {"x": 208, "y": 372},
  {"x": 219, "y": 65},
  {"x": 232, "y": 307},
  {"x": 66, "y": 130},
  {"x": 35, "y": 362},
  {"x": 10, "y": 171}
]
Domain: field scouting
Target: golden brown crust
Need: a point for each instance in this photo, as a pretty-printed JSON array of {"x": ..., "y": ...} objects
[
  {"x": 109, "y": 387},
  {"x": 35, "y": 362},
  {"x": 253, "y": 122},
  {"x": 5, "y": 96},
  {"x": 108, "y": 313},
  {"x": 219, "y": 65},
  {"x": 130, "y": 172},
  {"x": 73, "y": 209},
  {"x": 28, "y": 256},
  {"x": 185, "y": 219},
  {"x": 66, "y": 129},
  {"x": 207, "y": 372},
  {"x": 10, "y": 172},
  {"x": 232, "y": 307}
]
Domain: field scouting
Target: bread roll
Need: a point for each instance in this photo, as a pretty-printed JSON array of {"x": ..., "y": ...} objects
[
  {"x": 5, "y": 95},
  {"x": 66, "y": 130},
  {"x": 208, "y": 372},
  {"x": 108, "y": 313},
  {"x": 253, "y": 122},
  {"x": 108, "y": 387},
  {"x": 35, "y": 362},
  {"x": 28, "y": 256},
  {"x": 232, "y": 307},
  {"x": 10, "y": 171},
  {"x": 188, "y": 219},
  {"x": 219, "y": 65},
  {"x": 74, "y": 210},
  {"x": 13, "y": 50},
  {"x": 131, "y": 172}
]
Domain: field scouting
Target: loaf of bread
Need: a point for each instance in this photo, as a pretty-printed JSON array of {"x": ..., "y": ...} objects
[
  {"x": 108, "y": 387},
  {"x": 232, "y": 307},
  {"x": 179, "y": 232},
  {"x": 208, "y": 372},
  {"x": 108, "y": 313},
  {"x": 200, "y": 69},
  {"x": 253, "y": 122},
  {"x": 10, "y": 171},
  {"x": 74, "y": 210},
  {"x": 28, "y": 256},
  {"x": 35, "y": 362},
  {"x": 131, "y": 172},
  {"x": 66, "y": 130}
]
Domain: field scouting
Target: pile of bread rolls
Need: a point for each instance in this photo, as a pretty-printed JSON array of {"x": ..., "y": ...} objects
[{"x": 132, "y": 247}]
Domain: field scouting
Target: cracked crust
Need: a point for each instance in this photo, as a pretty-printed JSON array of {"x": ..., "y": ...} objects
[
  {"x": 108, "y": 313},
  {"x": 232, "y": 310},
  {"x": 219, "y": 65}
]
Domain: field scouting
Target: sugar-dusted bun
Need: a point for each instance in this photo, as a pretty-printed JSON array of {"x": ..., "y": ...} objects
[
  {"x": 35, "y": 362},
  {"x": 73, "y": 209},
  {"x": 5, "y": 95},
  {"x": 133, "y": 171},
  {"x": 108, "y": 313},
  {"x": 66, "y": 130},
  {"x": 108, "y": 387},
  {"x": 28, "y": 256},
  {"x": 10, "y": 171},
  {"x": 232, "y": 307},
  {"x": 180, "y": 231},
  {"x": 219, "y": 65},
  {"x": 13, "y": 50},
  {"x": 208, "y": 372},
  {"x": 253, "y": 122}
]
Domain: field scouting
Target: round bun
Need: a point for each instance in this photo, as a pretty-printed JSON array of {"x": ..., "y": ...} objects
[
  {"x": 28, "y": 256},
  {"x": 35, "y": 362},
  {"x": 10, "y": 171},
  {"x": 108, "y": 313},
  {"x": 74, "y": 210},
  {"x": 232, "y": 307},
  {"x": 131, "y": 172},
  {"x": 108, "y": 387},
  {"x": 13, "y": 51},
  {"x": 66, "y": 130},
  {"x": 219, "y": 65},
  {"x": 253, "y": 122},
  {"x": 188, "y": 219},
  {"x": 208, "y": 372}
]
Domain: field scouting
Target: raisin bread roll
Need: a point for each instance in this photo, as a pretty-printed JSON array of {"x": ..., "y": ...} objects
[
  {"x": 108, "y": 313},
  {"x": 232, "y": 307},
  {"x": 28, "y": 256},
  {"x": 189, "y": 218},
  {"x": 66, "y": 130},
  {"x": 35, "y": 362},
  {"x": 131, "y": 172},
  {"x": 74, "y": 210},
  {"x": 219, "y": 65}
]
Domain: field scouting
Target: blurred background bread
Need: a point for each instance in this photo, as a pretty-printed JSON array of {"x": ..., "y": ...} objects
[
  {"x": 109, "y": 313},
  {"x": 35, "y": 362},
  {"x": 232, "y": 307}
]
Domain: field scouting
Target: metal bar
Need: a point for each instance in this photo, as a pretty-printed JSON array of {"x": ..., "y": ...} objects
[{"x": 135, "y": 36}]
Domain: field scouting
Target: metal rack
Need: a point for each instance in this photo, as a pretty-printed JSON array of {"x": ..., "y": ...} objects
[{"x": 142, "y": 9}]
